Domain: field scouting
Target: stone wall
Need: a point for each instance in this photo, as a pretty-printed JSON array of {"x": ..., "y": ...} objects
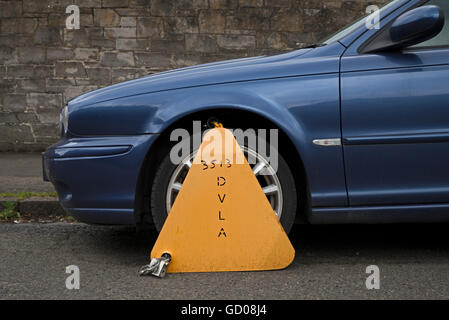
[{"x": 43, "y": 65}]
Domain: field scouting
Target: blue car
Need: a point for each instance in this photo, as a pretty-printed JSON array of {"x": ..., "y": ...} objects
[{"x": 362, "y": 120}]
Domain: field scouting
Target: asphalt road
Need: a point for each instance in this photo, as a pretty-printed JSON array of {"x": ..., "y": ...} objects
[{"x": 330, "y": 263}]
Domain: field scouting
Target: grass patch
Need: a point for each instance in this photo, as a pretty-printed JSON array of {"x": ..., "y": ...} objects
[
  {"x": 25, "y": 195},
  {"x": 9, "y": 212},
  {"x": 9, "y": 209}
]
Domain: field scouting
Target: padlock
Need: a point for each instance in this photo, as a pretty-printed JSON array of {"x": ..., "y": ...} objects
[{"x": 157, "y": 267}]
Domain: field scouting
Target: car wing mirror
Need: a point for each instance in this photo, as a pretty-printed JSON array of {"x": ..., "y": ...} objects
[{"x": 413, "y": 27}]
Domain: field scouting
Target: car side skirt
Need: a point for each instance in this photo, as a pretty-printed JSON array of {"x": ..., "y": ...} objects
[{"x": 418, "y": 213}]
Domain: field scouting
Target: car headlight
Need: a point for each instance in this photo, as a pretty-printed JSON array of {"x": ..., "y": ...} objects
[{"x": 64, "y": 120}]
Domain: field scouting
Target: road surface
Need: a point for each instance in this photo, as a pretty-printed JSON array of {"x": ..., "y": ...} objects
[{"x": 330, "y": 263}]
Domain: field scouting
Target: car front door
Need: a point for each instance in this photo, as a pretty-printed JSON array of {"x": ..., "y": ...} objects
[{"x": 395, "y": 123}]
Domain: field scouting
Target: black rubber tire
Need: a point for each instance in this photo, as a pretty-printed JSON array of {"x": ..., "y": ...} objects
[{"x": 166, "y": 169}]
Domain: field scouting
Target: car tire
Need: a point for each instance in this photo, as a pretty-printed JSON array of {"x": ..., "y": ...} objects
[{"x": 165, "y": 172}]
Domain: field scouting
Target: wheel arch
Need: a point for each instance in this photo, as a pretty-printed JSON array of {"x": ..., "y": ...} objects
[{"x": 228, "y": 115}]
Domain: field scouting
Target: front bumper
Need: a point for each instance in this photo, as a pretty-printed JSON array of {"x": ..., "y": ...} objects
[{"x": 96, "y": 178}]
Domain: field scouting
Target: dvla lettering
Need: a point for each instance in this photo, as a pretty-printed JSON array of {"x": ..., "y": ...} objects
[
  {"x": 222, "y": 232},
  {"x": 221, "y": 181},
  {"x": 221, "y": 198},
  {"x": 198, "y": 310}
]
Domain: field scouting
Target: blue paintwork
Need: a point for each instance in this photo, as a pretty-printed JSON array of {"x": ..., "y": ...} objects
[
  {"x": 395, "y": 125},
  {"x": 404, "y": 28},
  {"x": 390, "y": 109},
  {"x": 98, "y": 187}
]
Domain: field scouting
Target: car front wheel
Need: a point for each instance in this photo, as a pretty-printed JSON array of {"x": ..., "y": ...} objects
[{"x": 278, "y": 186}]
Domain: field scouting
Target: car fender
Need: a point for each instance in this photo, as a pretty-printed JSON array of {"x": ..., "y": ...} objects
[
  {"x": 226, "y": 98},
  {"x": 303, "y": 111}
]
